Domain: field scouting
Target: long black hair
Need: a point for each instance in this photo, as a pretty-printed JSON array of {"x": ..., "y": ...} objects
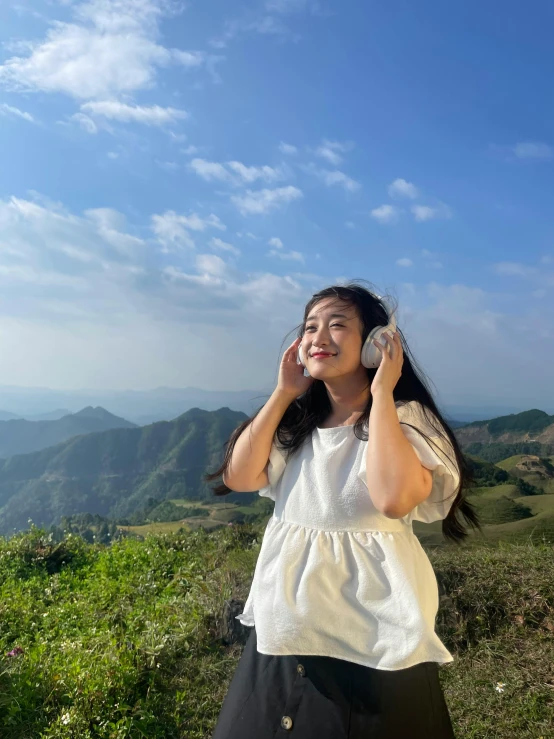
[{"x": 313, "y": 407}]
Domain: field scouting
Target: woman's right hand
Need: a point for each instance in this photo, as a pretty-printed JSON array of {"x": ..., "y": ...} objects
[{"x": 291, "y": 380}]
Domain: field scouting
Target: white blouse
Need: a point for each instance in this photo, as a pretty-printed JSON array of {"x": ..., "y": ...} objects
[{"x": 334, "y": 577}]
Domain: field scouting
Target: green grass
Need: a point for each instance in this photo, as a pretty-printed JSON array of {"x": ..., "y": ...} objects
[
  {"x": 122, "y": 641},
  {"x": 498, "y": 491},
  {"x": 510, "y": 463}
]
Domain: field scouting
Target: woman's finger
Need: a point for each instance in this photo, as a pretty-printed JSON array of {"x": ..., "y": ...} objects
[{"x": 292, "y": 348}]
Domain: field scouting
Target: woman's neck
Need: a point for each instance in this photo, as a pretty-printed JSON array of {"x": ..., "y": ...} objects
[{"x": 348, "y": 399}]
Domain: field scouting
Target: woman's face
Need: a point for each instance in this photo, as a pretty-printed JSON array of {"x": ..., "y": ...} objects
[{"x": 332, "y": 340}]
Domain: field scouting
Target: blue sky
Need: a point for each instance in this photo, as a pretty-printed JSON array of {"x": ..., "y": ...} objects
[{"x": 178, "y": 178}]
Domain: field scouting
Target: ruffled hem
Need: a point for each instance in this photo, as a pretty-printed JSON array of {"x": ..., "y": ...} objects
[{"x": 380, "y": 585}]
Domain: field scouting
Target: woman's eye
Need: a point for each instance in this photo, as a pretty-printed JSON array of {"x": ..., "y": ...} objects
[{"x": 309, "y": 328}]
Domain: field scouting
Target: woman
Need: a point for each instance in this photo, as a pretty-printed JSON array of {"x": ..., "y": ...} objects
[{"x": 352, "y": 449}]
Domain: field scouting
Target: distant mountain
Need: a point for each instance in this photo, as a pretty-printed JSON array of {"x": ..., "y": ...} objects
[
  {"x": 529, "y": 426},
  {"x": 54, "y": 415},
  {"x": 7, "y": 416},
  {"x": 21, "y": 436},
  {"x": 115, "y": 472},
  {"x": 139, "y": 406}
]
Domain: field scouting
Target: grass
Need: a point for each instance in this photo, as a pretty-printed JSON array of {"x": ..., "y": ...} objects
[
  {"x": 510, "y": 463},
  {"x": 123, "y": 641}
]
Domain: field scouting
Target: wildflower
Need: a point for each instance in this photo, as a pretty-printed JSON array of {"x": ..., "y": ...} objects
[
  {"x": 15, "y": 652},
  {"x": 66, "y": 718},
  {"x": 500, "y": 687}
]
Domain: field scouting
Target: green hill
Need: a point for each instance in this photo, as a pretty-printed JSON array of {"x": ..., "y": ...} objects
[
  {"x": 115, "y": 472},
  {"x": 22, "y": 437},
  {"x": 533, "y": 421},
  {"x": 132, "y": 640}
]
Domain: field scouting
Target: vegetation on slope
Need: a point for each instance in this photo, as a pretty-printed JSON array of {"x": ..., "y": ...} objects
[
  {"x": 533, "y": 422},
  {"x": 124, "y": 641},
  {"x": 115, "y": 473},
  {"x": 22, "y": 437}
]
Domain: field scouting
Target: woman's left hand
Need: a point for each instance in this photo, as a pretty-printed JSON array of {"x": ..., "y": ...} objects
[{"x": 389, "y": 370}]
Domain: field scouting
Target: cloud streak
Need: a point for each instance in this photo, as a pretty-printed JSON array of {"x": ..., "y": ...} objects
[{"x": 109, "y": 49}]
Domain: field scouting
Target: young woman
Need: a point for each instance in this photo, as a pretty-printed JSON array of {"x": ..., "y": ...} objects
[{"x": 343, "y": 600}]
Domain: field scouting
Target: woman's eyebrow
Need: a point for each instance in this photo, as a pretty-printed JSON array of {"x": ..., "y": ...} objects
[{"x": 333, "y": 315}]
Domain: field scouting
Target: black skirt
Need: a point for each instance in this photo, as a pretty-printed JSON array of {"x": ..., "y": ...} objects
[{"x": 314, "y": 697}]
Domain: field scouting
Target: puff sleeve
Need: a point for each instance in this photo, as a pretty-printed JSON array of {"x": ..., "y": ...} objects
[
  {"x": 438, "y": 457},
  {"x": 276, "y": 465}
]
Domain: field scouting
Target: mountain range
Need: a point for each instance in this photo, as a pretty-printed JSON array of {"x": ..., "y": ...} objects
[
  {"x": 20, "y": 436},
  {"x": 115, "y": 472},
  {"x": 166, "y": 403}
]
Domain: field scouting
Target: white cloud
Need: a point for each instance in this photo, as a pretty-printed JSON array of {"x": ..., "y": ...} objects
[
  {"x": 78, "y": 311},
  {"x": 172, "y": 229},
  {"x": 514, "y": 269},
  {"x": 266, "y": 19},
  {"x": 10, "y": 111},
  {"x": 109, "y": 49},
  {"x": 294, "y": 256},
  {"x": 251, "y": 174},
  {"x": 211, "y": 265},
  {"x": 287, "y": 148},
  {"x": 46, "y": 245},
  {"x": 239, "y": 173},
  {"x": 190, "y": 150},
  {"x": 86, "y": 123},
  {"x": 275, "y": 242},
  {"x": 332, "y": 150},
  {"x": 533, "y": 150},
  {"x": 210, "y": 170},
  {"x": 224, "y": 246},
  {"x": 404, "y": 262},
  {"x": 340, "y": 178},
  {"x": 385, "y": 213},
  {"x": 264, "y": 201},
  {"x": 111, "y": 226},
  {"x": 427, "y": 213},
  {"x": 402, "y": 188},
  {"x": 332, "y": 177},
  {"x": 149, "y": 115}
]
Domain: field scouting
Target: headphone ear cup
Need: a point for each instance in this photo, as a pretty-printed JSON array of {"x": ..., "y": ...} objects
[
  {"x": 300, "y": 360},
  {"x": 371, "y": 356}
]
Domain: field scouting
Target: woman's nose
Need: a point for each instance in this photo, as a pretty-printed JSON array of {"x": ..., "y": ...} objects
[{"x": 320, "y": 338}]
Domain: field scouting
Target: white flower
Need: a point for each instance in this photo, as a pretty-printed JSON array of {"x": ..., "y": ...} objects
[
  {"x": 500, "y": 687},
  {"x": 66, "y": 718}
]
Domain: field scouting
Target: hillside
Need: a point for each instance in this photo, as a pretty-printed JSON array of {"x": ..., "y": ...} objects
[
  {"x": 22, "y": 437},
  {"x": 113, "y": 473},
  {"x": 529, "y": 426},
  {"x": 132, "y": 640}
]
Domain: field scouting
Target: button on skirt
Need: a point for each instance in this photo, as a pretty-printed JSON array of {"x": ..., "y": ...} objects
[{"x": 316, "y": 697}]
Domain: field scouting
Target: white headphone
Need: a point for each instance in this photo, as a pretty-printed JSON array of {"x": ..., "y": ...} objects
[{"x": 371, "y": 356}]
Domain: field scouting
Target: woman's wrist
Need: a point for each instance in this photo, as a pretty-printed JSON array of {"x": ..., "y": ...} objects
[{"x": 381, "y": 393}]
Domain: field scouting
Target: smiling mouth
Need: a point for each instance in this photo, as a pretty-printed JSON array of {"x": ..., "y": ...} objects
[{"x": 322, "y": 354}]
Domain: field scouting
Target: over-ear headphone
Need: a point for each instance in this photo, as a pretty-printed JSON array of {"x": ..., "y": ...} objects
[{"x": 371, "y": 356}]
